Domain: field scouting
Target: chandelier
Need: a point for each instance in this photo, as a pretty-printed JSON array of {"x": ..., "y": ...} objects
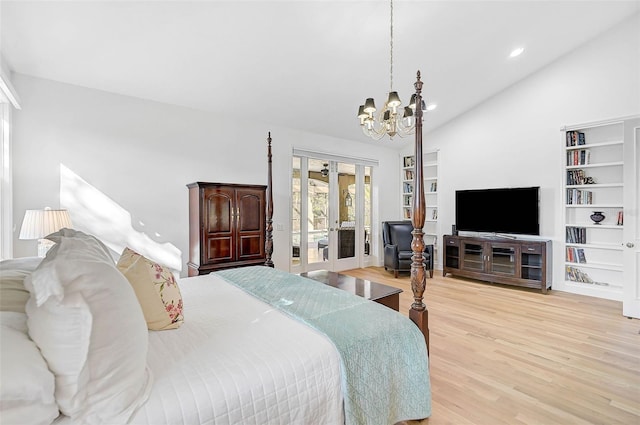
[
  {"x": 392, "y": 119},
  {"x": 325, "y": 171}
]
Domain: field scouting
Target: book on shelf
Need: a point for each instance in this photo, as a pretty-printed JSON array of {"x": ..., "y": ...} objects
[
  {"x": 575, "y": 177},
  {"x": 433, "y": 187},
  {"x": 576, "y": 255},
  {"x": 578, "y": 157},
  {"x": 408, "y": 200},
  {"x": 575, "y": 138},
  {"x": 407, "y": 188},
  {"x": 408, "y": 174},
  {"x": 576, "y": 234},
  {"x": 579, "y": 197},
  {"x": 408, "y": 161},
  {"x": 574, "y": 274},
  {"x": 434, "y": 214},
  {"x": 582, "y": 258},
  {"x": 407, "y": 213},
  {"x": 620, "y": 220}
]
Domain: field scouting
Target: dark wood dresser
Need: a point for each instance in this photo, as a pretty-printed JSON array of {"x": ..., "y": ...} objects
[{"x": 226, "y": 226}]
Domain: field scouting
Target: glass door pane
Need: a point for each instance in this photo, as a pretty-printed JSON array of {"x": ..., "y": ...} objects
[
  {"x": 317, "y": 211},
  {"x": 296, "y": 211},
  {"x": 472, "y": 257},
  {"x": 503, "y": 260},
  {"x": 346, "y": 224},
  {"x": 367, "y": 211}
]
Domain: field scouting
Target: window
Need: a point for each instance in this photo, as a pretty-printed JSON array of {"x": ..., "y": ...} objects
[{"x": 8, "y": 99}]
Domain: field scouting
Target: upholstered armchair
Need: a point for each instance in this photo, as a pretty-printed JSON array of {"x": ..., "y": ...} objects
[{"x": 397, "y": 237}]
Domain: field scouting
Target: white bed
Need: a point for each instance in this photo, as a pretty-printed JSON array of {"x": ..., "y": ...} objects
[
  {"x": 233, "y": 360},
  {"x": 236, "y": 360}
]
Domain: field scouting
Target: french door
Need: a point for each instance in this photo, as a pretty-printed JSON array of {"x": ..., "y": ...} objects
[{"x": 331, "y": 213}]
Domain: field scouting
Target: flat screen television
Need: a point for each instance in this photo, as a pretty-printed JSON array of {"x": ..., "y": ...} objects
[{"x": 503, "y": 210}]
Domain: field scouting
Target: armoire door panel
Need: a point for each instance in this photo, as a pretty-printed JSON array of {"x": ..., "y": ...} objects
[
  {"x": 251, "y": 246},
  {"x": 250, "y": 211},
  {"x": 219, "y": 249},
  {"x": 219, "y": 217}
]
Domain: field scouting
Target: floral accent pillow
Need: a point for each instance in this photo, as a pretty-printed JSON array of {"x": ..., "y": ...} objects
[{"x": 156, "y": 288}]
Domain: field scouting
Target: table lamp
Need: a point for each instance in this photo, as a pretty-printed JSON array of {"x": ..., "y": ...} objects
[{"x": 39, "y": 223}]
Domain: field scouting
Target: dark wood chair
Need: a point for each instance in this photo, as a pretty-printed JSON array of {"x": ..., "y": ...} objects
[{"x": 396, "y": 236}]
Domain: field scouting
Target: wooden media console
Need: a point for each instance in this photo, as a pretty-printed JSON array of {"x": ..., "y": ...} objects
[{"x": 499, "y": 260}]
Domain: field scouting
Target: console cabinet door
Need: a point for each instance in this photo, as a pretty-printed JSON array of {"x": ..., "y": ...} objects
[
  {"x": 451, "y": 254},
  {"x": 503, "y": 259},
  {"x": 473, "y": 256}
]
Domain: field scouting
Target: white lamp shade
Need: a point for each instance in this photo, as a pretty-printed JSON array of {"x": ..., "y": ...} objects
[{"x": 39, "y": 223}]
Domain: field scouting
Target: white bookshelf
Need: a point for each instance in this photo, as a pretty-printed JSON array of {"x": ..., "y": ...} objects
[
  {"x": 598, "y": 155},
  {"x": 430, "y": 177}
]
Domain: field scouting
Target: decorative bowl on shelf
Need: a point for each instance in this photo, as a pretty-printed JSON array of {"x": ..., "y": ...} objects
[{"x": 597, "y": 217}]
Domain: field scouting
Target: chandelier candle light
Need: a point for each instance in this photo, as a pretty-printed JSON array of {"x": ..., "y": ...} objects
[{"x": 393, "y": 118}]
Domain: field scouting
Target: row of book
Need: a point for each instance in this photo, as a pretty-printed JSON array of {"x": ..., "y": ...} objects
[
  {"x": 408, "y": 201},
  {"x": 408, "y": 161},
  {"x": 434, "y": 187},
  {"x": 575, "y": 138},
  {"x": 576, "y": 275},
  {"x": 434, "y": 214},
  {"x": 408, "y": 174},
  {"x": 578, "y": 157},
  {"x": 576, "y": 234},
  {"x": 579, "y": 197},
  {"x": 575, "y": 177},
  {"x": 407, "y": 188},
  {"x": 576, "y": 255},
  {"x": 620, "y": 220}
]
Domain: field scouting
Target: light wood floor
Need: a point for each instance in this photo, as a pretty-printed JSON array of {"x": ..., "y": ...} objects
[{"x": 505, "y": 355}]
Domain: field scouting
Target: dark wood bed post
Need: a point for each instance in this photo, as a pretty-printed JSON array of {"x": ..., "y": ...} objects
[
  {"x": 418, "y": 312},
  {"x": 268, "y": 244}
]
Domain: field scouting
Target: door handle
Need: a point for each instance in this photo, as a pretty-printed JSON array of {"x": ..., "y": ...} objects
[{"x": 630, "y": 245}]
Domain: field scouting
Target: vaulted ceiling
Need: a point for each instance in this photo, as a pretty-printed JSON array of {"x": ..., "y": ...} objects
[{"x": 300, "y": 64}]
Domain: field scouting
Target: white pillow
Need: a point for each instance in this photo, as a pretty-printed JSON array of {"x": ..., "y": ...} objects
[
  {"x": 88, "y": 324},
  {"x": 13, "y": 295},
  {"x": 26, "y": 393}
]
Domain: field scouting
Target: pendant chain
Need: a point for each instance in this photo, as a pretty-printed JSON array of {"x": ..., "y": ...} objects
[{"x": 391, "y": 51}]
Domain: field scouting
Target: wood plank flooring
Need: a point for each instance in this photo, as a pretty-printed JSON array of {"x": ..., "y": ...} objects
[{"x": 505, "y": 355}]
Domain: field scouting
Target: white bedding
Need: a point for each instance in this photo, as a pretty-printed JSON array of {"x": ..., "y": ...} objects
[{"x": 236, "y": 360}]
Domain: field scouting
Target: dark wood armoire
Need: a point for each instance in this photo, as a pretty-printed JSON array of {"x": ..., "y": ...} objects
[{"x": 226, "y": 226}]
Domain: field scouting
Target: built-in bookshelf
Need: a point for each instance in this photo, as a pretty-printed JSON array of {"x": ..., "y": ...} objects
[
  {"x": 408, "y": 173},
  {"x": 430, "y": 178},
  {"x": 593, "y": 183}
]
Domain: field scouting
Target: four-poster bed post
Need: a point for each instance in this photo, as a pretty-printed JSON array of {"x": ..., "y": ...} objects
[
  {"x": 268, "y": 245},
  {"x": 418, "y": 312}
]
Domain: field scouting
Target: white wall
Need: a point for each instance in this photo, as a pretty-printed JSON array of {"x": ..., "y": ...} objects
[
  {"x": 514, "y": 138},
  {"x": 141, "y": 154}
]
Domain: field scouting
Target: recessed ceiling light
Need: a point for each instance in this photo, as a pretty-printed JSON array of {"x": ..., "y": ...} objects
[
  {"x": 431, "y": 107},
  {"x": 516, "y": 52}
]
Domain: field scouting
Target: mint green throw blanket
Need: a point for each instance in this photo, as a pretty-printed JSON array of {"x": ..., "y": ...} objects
[{"x": 385, "y": 373}]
